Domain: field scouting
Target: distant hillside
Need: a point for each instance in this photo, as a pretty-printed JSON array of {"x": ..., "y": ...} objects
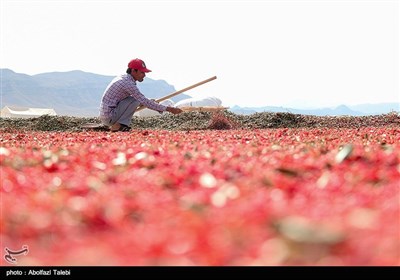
[
  {"x": 342, "y": 110},
  {"x": 376, "y": 109},
  {"x": 73, "y": 93}
]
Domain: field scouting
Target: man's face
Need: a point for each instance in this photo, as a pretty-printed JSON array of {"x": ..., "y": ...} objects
[{"x": 138, "y": 75}]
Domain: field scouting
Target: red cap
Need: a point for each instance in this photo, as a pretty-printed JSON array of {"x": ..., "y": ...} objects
[{"x": 138, "y": 64}]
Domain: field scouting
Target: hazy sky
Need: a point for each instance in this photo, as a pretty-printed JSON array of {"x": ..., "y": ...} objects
[{"x": 314, "y": 53}]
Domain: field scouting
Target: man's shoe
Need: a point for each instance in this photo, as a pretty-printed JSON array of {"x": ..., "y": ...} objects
[
  {"x": 115, "y": 127},
  {"x": 119, "y": 127},
  {"x": 124, "y": 128}
]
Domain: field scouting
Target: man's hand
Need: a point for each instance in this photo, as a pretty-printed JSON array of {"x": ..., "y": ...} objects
[{"x": 174, "y": 110}]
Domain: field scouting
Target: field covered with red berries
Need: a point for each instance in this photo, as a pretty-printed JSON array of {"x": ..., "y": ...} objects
[{"x": 280, "y": 196}]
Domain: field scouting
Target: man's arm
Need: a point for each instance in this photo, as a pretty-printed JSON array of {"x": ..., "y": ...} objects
[{"x": 143, "y": 100}]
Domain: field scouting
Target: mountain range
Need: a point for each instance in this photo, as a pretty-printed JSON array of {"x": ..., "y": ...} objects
[
  {"x": 341, "y": 110},
  {"x": 73, "y": 93},
  {"x": 78, "y": 93}
]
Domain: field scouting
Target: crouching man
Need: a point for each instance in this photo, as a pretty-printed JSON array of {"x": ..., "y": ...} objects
[{"x": 122, "y": 97}]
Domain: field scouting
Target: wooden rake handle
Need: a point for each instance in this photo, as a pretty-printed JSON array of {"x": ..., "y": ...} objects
[{"x": 179, "y": 92}]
